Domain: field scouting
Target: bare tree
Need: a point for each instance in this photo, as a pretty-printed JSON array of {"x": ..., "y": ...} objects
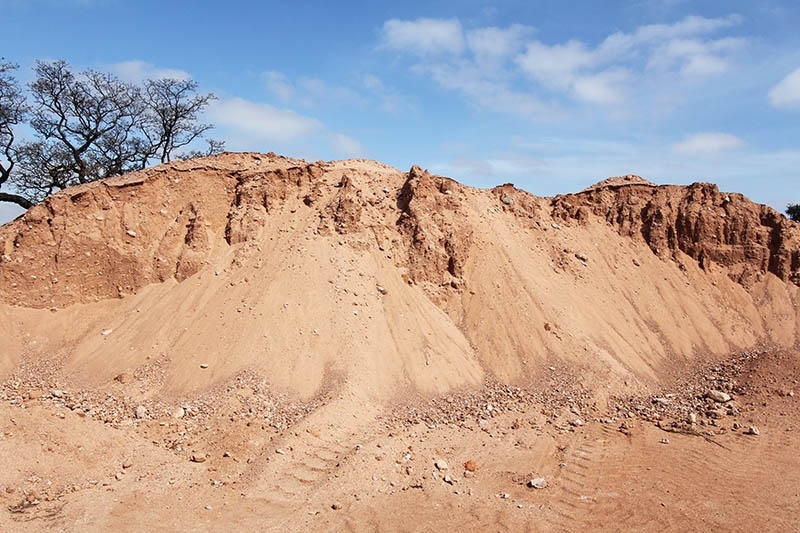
[
  {"x": 87, "y": 121},
  {"x": 13, "y": 111},
  {"x": 172, "y": 108},
  {"x": 91, "y": 125}
]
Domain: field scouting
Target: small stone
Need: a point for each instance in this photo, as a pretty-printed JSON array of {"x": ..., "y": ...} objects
[
  {"x": 441, "y": 465},
  {"x": 106, "y": 332},
  {"x": 126, "y": 465},
  {"x": 203, "y": 365},
  {"x": 506, "y": 199},
  {"x": 179, "y": 413},
  {"x": 470, "y": 466},
  {"x": 718, "y": 396},
  {"x": 208, "y": 507},
  {"x": 581, "y": 257},
  {"x": 140, "y": 412},
  {"x": 280, "y": 452},
  {"x": 119, "y": 476},
  {"x": 381, "y": 289},
  {"x": 576, "y": 423},
  {"x": 447, "y": 479},
  {"x": 468, "y": 474},
  {"x": 125, "y": 377},
  {"x": 198, "y": 458},
  {"x": 130, "y": 233},
  {"x": 665, "y": 441},
  {"x": 752, "y": 430},
  {"x": 693, "y": 418},
  {"x": 336, "y": 506},
  {"x": 537, "y": 483},
  {"x": 55, "y": 393}
]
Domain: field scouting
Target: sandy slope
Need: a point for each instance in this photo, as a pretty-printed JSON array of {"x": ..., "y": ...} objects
[{"x": 249, "y": 303}]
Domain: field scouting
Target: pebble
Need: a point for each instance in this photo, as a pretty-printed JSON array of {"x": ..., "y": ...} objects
[
  {"x": 537, "y": 483},
  {"x": 198, "y": 458},
  {"x": 752, "y": 430},
  {"x": 55, "y": 393},
  {"x": 336, "y": 506},
  {"x": 441, "y": 465},
  {"x": 179, "y": 413},
  {"x": 204, "y": 365},
  {"x": 140, "y": 412},
  {"x": 718, "y": 396}
]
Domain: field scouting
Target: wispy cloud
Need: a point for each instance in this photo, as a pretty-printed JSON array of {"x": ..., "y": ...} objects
[
  {"x": 786, "y": 94},
  {"x": 136, "y": 71},
  {"x": 497, "y": 68},
  {"x": 261, "y": 122},
  {"x": 708, "y": 143},
  {"x": 424, "y": 36},
  {"x": 259, "y": 126},
  {"x": 345, "y": 146}
]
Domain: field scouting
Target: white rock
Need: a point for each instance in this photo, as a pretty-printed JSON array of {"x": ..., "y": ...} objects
[
  {"x": 537, "y": 483},
  {"x": 718, "y": 396},
  {"x": 140, "y": 412},
  {"x": 441, "y": 465}
]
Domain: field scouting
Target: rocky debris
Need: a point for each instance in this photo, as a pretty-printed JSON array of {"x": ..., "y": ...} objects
[{"x": 563, "y": 392}]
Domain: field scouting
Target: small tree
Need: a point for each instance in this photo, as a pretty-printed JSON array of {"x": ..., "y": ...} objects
[
  {"x": 793, "y": 211},
  {"x": 13, "y": 111},
  {"x": 170, "y": 120},
  {"x": 92, "y": 125}
]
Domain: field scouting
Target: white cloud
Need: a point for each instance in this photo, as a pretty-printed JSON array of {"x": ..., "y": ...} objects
[
  {"x": 389, "y": 99},
  {"x": 345, "y": 146},
  {"x": 424, "y": 36},
  {"x": 136, "y": 71},
  {"x": 278, "y": 84},
  {"x": 493, "y": 44},
  {"x": 708, "y": 143},
  {"x": 555, "y": 65},
  {"x": 786, "y": 94},
  {"x": 607, "y": 87},
  {"x": 494, "y": 67},
  {"x": 261, "y": 122}
]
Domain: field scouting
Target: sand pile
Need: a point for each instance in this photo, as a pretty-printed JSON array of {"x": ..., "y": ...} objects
[
  {"x": 352, "y": 272},
  {"x": 260, "y": 343}
]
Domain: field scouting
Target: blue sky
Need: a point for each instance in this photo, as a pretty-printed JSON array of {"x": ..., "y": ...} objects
[{"x": 549, "y": 95}]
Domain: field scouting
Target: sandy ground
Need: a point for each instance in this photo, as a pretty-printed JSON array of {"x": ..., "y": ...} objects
[{"x": 350, "y": 466}]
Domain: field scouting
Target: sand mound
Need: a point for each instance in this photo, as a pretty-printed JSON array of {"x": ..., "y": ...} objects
[
  {"x": 355, "y": 273},
  {"x": 254, "y": 342}
]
